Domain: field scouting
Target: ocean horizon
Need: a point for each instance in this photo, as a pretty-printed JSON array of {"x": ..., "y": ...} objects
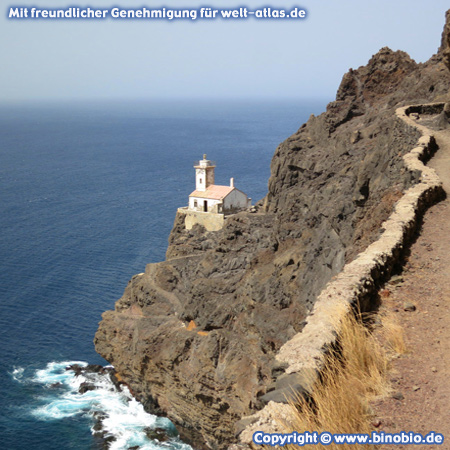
[{"x": 89, "y": 192}]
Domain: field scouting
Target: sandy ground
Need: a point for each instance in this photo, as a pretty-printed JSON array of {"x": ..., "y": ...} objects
[{"x": 421, "y": 378}]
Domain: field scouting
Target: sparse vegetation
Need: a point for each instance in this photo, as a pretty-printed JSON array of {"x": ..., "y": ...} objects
[
  {"x": 354, "y": 374},
  {"x": 393, "y": 335}
]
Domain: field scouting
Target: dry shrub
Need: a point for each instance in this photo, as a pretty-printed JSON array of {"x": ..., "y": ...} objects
[{"x": 354, "y": 373}]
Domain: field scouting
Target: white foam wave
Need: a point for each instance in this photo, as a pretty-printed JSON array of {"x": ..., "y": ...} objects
[
  {"x": 17, "y": 374},
  {"x": 123, "y": 418},
  {"x": 55, "y": 372}
]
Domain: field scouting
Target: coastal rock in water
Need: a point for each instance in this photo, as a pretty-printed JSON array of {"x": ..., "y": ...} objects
[
  {"x": 194, "y": 337},
  {"x": 85, "y": 387}
]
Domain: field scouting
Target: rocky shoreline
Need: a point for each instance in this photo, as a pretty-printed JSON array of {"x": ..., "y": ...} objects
[
  {"x": 196, "y": 337},
  {"x": 93, "y": 374}
]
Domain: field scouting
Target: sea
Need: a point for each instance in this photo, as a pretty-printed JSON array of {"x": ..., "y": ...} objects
[{"x": 88, "y": 195}]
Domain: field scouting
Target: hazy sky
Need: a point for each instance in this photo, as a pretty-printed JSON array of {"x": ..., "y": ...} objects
[{"x": 107, "y": 59}]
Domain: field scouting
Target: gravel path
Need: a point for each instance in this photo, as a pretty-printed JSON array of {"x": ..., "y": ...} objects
[{"x": 421, "y": 378}]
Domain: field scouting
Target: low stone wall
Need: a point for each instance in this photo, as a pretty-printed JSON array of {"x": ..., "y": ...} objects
[
  {"x": 211, "y": 221},
  {"x": 357, "y": 284},
  {"x": 431, "y": 108}
]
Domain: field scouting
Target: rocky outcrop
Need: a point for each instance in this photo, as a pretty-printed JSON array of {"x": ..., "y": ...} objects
[
  {"x": 304, "y": 355},
  {"x": 195, "y": 337},
  {"x": 445, "y": 41}
]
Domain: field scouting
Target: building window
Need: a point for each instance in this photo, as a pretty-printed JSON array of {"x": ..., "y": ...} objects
[
  {"x": 195, "y": 204},
  {"x": 200, "y": 181}
]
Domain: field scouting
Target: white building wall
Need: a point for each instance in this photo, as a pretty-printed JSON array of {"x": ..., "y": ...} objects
[
  {"x": 200, "y": 180},
  {"x": 204, "y": 177},
  {"x": 236, "y": 199},
  {"x": 200, "y": 203}
]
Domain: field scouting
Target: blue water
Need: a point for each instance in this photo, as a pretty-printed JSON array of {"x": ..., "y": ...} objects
[{"x": 88, "y": 194}]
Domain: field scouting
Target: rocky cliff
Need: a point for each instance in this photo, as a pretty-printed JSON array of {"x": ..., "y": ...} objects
[{"x": 195, "y": 336}]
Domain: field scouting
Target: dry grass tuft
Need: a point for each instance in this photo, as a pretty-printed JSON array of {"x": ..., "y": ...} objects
[
  {"x": 353, "y": 374},
  {"x": 393, "y": 335},
  {"x": 362, "y": 357}
]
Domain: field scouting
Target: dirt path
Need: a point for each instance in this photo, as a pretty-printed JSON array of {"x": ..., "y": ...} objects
[{"x": 421, "y": 378}]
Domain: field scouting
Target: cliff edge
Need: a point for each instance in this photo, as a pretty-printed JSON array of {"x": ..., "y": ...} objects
[{"x": 195, "y": 336}]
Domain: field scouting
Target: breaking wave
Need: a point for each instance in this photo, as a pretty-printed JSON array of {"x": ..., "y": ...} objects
[{"x": 71, "y": 389}]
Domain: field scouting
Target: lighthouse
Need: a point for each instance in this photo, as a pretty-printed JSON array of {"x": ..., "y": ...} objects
[
  {"x": 204, "y": 174},
  {"x": 210, "y": 203},
  {"x": 212, "y": 198}
]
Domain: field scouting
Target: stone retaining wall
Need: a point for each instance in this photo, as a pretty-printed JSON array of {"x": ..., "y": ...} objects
[
  {"x": 211, "y": 221},
  {"x": 357, "y": 284}
]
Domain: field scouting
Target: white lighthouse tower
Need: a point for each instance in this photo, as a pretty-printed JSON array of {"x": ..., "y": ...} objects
[
  {"x": 204, "y": 174},
  {"x": 209, "y": 203}
]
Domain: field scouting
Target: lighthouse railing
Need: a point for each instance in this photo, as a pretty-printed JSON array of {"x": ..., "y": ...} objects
[{"x": 210, "y": 163}]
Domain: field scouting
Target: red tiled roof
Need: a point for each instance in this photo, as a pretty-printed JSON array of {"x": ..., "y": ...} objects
[{"x": 214, "y": 192}]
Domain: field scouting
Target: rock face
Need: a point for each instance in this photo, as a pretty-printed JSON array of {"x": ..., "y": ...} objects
[
  {"x": 445, "y": 42},
  {"x": 195, "y": 336}
]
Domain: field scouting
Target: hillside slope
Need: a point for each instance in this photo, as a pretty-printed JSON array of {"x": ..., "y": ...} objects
[{"x": 249, "y": 287}]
